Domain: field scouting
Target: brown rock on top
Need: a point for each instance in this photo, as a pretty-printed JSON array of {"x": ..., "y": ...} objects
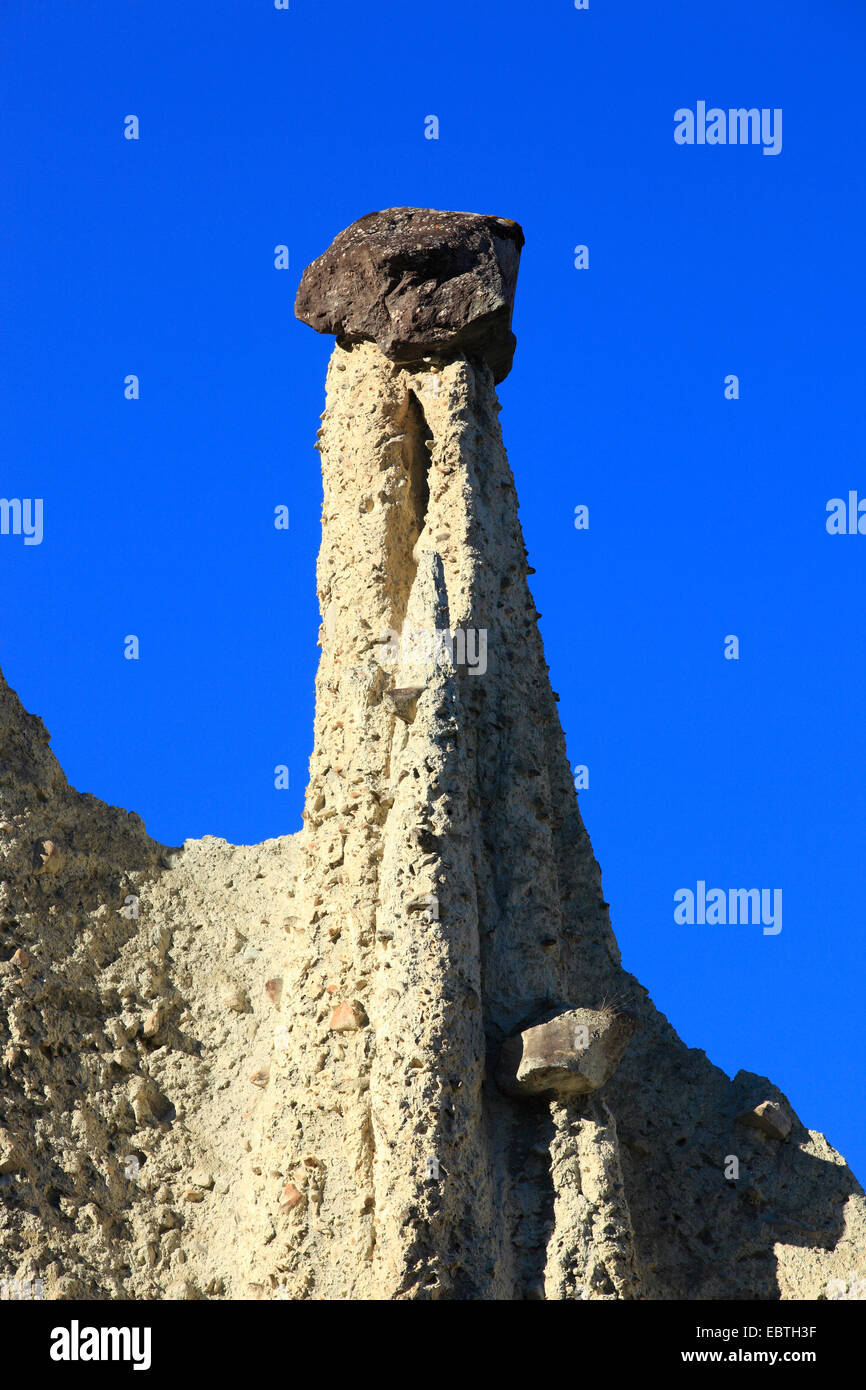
[{"x": 419, "y": 283}]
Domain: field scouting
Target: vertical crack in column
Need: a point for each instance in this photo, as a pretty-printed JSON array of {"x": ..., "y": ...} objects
[{"x": 406, "y": 519}]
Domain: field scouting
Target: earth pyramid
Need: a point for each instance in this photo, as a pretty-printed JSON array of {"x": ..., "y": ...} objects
[{"x": 396, "y": 1055}]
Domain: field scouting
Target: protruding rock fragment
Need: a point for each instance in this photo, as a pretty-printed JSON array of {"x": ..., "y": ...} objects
[
  {"x": 46, "y": 857},
  {"x": 419, "y": 283},
  {"x": 9, "y": 1159},
  {"x": 233, "y": 997},
  {"x": 571, "y": 1054},
  {"x": 148, "y": 1102},
  {"x": 21, "y": 958},
  {"x": 405, "y": 701},
  {"x": 180, "y": 1291},
  {"x": 152, "y": 1023},
  {"x": 347, "y": 1017},
  {"x": 770, "y": 1118},
  {"x": 274, "y": 990},
  {"x": 291, "y": 1198}
]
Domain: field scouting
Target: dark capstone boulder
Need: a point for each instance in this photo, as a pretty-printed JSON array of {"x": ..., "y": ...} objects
[{"x": 419, "y": 283}]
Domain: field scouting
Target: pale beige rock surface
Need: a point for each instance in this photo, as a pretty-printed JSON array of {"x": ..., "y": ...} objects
[{"x": 229, "y": 1072}]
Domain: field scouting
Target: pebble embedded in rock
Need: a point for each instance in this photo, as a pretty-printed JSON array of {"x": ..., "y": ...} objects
[
  {"x": 233, "y": 997},
  {"x": 274, "y": 990},
  {"x": 770, "y": 1118},
  {"x": 46, "y": 857},
  {"x": 347, "y": 1017},
  {"x": 291, "y": 1197},
  {"x": 152, "y": 1024}
]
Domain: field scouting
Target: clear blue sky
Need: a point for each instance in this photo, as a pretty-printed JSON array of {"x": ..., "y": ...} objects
[{"x": 707, "y": 516}]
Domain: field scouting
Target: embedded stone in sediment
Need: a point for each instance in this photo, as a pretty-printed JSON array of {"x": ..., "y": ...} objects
[
  {"x": 47, "y": 858},
  {"x": 347, "y": 1017},
  {"x": 405, "y": 701},
  {"x": 770, "y": 1118},
  {"x": 571, "y": 1054},
  {"x": 419, "y": 283}
]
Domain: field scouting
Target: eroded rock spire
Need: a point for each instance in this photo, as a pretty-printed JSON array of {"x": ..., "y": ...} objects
[
  {"x": 396, "y": 1055},
  {"x": 454, "y": 790}
]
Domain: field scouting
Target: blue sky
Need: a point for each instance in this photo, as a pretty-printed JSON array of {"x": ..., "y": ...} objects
[{"x": 707, "y": 516}]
